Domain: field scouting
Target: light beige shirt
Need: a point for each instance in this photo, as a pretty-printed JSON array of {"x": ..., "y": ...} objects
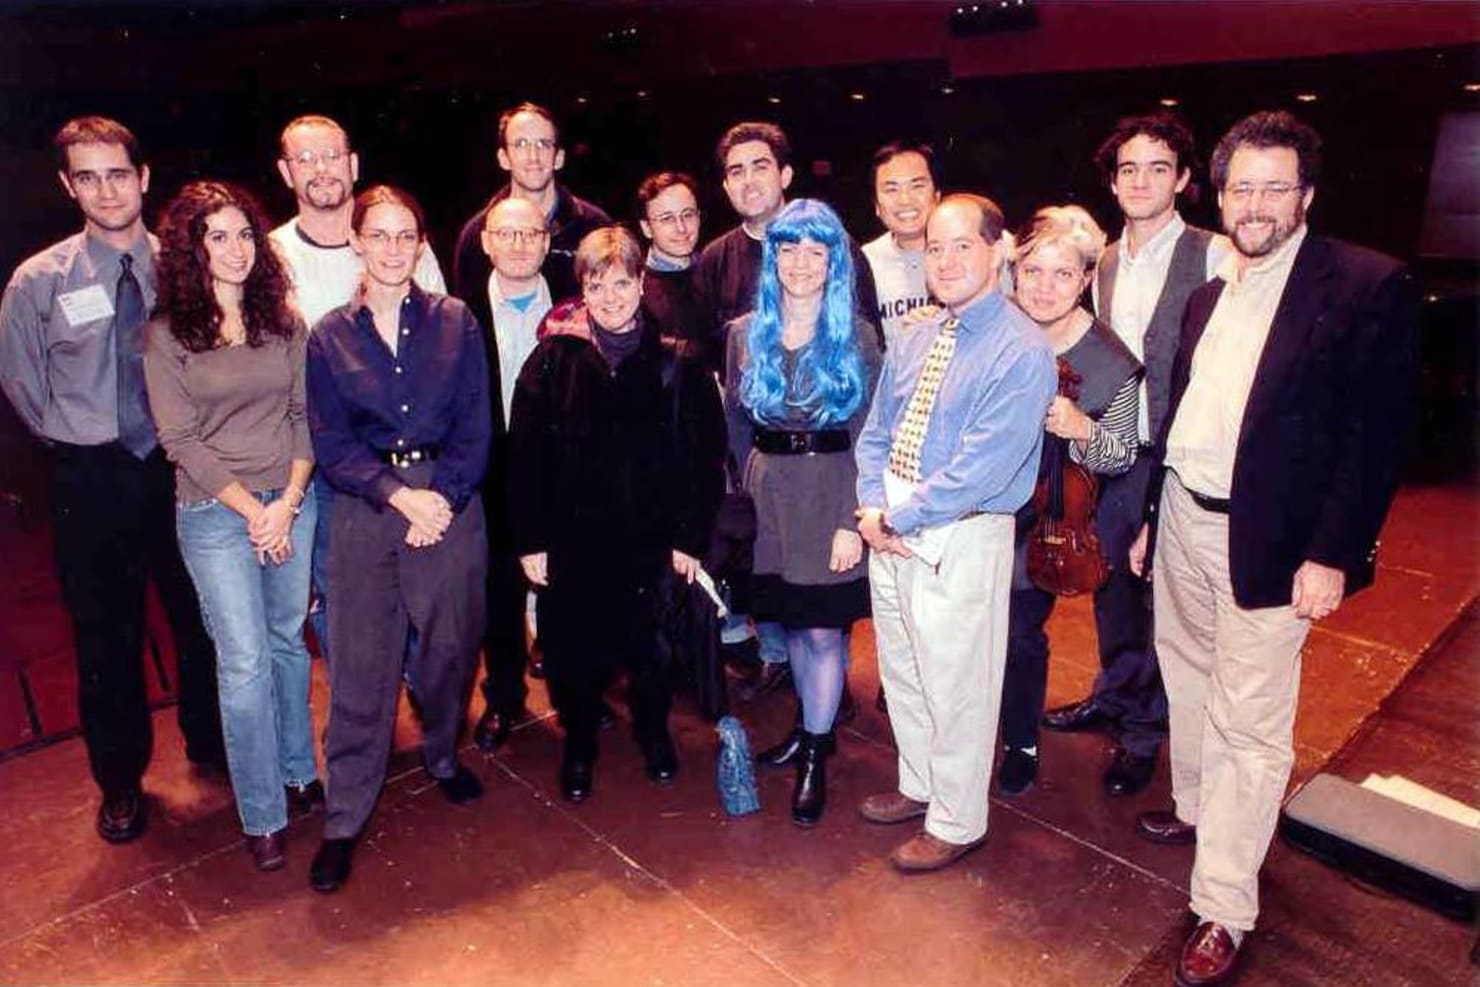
[
  {"x": 1139, "y": 280},
  {"x": 1204, "y": 435}
]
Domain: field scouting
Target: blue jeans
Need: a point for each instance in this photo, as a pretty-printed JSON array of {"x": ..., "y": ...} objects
[{"x": 255, "y": 615}]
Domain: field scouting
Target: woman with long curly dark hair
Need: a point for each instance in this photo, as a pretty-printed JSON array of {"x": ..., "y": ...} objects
[{"x": 224, "y": 362}]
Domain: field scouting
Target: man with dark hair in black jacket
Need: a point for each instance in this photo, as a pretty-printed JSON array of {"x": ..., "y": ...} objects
[{"x": 529, "y": 150}]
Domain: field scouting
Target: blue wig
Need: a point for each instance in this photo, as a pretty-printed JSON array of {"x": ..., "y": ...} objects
[{"x": 829, "y": 382}]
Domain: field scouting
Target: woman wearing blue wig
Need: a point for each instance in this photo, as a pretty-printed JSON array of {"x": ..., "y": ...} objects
[{"x": 800, "y": 370}]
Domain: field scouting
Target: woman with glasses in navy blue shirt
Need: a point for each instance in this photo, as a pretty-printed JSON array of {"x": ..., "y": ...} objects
[{"x": 399, "y": 413}]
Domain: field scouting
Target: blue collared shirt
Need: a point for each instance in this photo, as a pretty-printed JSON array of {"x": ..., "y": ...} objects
[
  {"x": 985, "y": 433},
  {"x": 364, "y": 400}
]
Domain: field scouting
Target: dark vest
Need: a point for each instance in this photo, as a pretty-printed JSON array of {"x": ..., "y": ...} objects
[{"x": 1187, "y": 272}]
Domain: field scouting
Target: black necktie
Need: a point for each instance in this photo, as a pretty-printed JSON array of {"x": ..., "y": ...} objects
[{"x": 135, "y": 426}]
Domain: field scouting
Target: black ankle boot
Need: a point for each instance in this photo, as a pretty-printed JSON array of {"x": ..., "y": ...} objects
[
  {"x": 785, "y": 752},
  {"x": 809, "y": 797}
]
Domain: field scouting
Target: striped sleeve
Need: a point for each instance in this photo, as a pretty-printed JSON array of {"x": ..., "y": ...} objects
[{"x": 1112, "y": 445}]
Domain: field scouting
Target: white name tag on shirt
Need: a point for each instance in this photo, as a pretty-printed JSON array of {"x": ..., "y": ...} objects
[{"x": 85, "y": 305}]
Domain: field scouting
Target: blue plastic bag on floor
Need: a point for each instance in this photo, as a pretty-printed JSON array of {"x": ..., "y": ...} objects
[{"x": 736, "y": 775}]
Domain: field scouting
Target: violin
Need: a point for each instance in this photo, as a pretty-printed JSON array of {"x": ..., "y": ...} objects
[{"x": 1064, "y": 556}]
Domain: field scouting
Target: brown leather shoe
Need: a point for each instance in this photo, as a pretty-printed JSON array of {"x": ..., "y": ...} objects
[
  {"x": 268, "y": 850},
  {"x": 1163, "y": 826},
  {"x": 1208, "y": 957},
  {"x": 888, "y": 808},
  {"x": 923, "y": 852}
]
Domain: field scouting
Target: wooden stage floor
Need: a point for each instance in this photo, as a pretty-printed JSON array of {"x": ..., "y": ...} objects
[{"x": 643, "y": 885}]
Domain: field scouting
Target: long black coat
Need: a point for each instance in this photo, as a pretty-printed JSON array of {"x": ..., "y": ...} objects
[
  {"x": 1319, "y": 448},
  {"x": 609, "y": 472}
]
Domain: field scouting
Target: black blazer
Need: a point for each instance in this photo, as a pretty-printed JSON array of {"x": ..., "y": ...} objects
[{"x": 1319, "y": 449}]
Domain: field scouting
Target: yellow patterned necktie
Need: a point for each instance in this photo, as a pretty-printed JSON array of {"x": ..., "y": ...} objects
[{"x": 904, "y": 455}]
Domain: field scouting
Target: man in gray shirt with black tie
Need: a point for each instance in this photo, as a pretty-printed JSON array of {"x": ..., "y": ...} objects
[{"x": 71, "y": 362}]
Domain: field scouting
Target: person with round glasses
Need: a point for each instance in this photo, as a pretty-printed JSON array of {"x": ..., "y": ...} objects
[{"x": 399, "y": 412}]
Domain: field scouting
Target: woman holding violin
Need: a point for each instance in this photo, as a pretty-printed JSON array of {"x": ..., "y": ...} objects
[{"x": 1091, "y": 429}]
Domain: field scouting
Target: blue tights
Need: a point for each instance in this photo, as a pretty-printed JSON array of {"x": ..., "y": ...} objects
[{"x": 818, "y": 666}]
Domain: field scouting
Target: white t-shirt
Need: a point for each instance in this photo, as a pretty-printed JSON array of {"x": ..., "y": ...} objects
[
  {"x": 325, "y": 277},
  {"x": 899, "y": 279}
]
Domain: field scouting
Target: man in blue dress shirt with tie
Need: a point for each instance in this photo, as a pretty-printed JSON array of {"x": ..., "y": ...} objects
[{"x": 949, "y": 453}]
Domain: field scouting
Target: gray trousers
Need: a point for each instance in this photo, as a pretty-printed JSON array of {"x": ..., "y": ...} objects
[{"x": 383, "y": 591}]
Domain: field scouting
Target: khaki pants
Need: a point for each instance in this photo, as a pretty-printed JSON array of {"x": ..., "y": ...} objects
[
  {"x": 1232, "y": 678},
  {"x": 942, "y": 641}
]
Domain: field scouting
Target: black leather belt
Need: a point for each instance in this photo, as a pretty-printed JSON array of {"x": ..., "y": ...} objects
[
  {"x": 1217, "y": 505},
  {"x": 779, "y": 442},
  {"x": 405, "y": 457}
]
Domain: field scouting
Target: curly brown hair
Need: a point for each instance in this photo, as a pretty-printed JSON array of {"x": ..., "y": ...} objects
[{"x": 185, "y": 296}]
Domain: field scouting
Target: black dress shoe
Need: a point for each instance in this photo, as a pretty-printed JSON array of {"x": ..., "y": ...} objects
[
  {"x": 1128, "y": 773},
  {"x": 784, "y": 753},
  {"x": 268, "y": 850},
  {"x": 660, "y": 760},
  {"x": 123, "y": 817},
  {"x": 330, "y": 867},
  {"x": 773, "y": 675},
  {"x": 576, "y": 779},
  {"x": 303, "y": 799},
  {"x": 462, "y": 788},
  {"x": 492, "y": 730},
  {"x": 1163, "y": 826},
  {"x": 1078, "y": 717},
  {"x": 1018, "y": 772}
]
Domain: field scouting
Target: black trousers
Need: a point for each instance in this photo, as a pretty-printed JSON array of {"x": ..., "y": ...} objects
[
  {"x": 590, "y": 629},
  {"x": 382, "y": 593},
  {"x": 505, "y": 650},
  {"x": 1025, "y": 681},
  {"x": 1129, "y": 685},
  {"x": 113, "y": 523}
]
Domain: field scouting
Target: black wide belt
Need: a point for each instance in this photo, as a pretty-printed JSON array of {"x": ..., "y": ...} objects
[
  {"x": 1217, "y": 505},
  {"x": 778, "y": 442},
  {"x": 405, "y": 457}
]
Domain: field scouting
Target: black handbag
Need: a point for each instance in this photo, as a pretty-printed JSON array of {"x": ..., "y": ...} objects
[{"x": 735, "y": 521}]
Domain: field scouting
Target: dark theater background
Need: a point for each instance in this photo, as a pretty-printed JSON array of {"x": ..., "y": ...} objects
[{"x": 645, "y": 888}]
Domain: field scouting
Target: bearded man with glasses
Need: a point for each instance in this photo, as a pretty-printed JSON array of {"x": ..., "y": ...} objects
[{"x": 1289, "y": 400}]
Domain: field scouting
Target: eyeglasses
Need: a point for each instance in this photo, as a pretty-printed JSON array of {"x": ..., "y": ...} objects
[
  {"x": 506, "y": 236},
  {"x": 1273, "y": 191},
  {"x": 543, "y": 145},
  {"x": 687, "y": 216},
  {"x": 380, "y": 239},
  {"x": 310, "y": 159}
]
